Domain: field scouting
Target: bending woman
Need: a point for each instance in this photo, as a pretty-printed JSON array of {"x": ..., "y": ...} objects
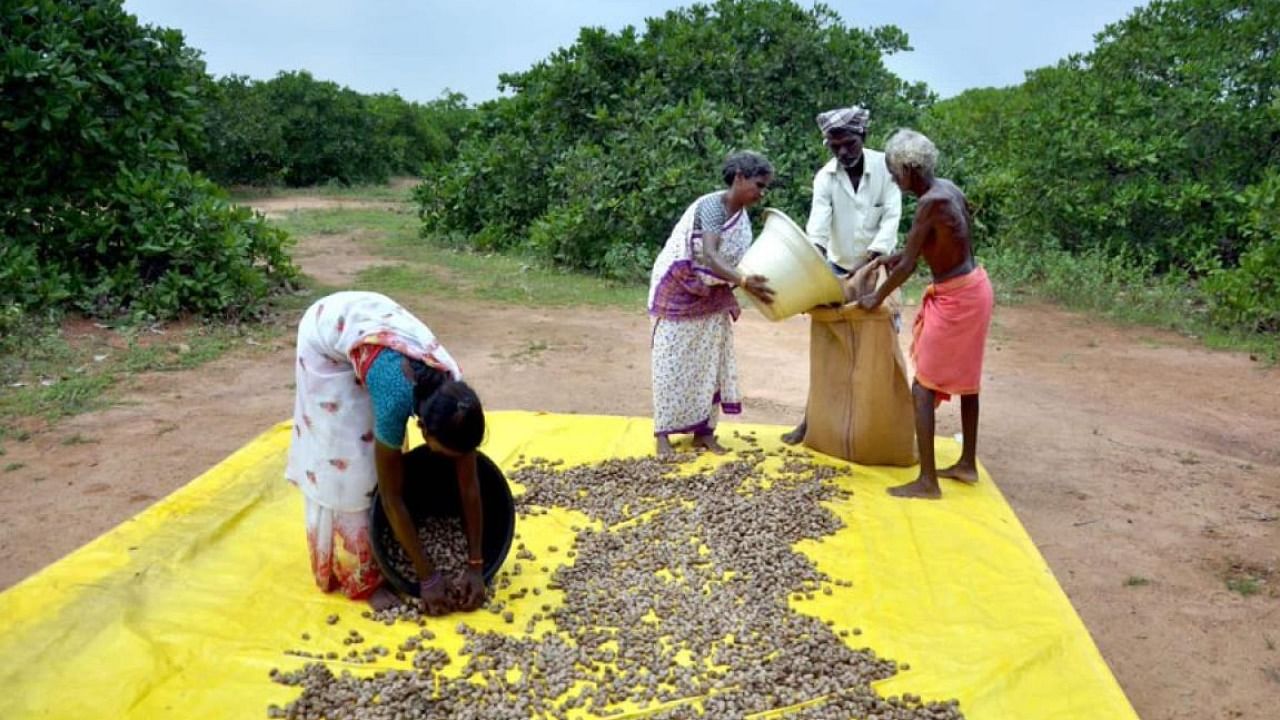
[{"x": 364, "y": 366}]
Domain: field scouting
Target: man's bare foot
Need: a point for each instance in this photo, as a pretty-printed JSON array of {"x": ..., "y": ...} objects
[
  {"x": 796, "y": 436},
  {"x": 709, "y": 442},
  {"x": 918, "y": 488},
  {"x": 664, "y": 447},
  {"x": 383, "y": 599},
  {"x": 962, "y": 471}
]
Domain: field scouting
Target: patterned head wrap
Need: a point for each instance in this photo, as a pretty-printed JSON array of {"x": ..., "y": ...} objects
[{"x": 850, "y": 119}]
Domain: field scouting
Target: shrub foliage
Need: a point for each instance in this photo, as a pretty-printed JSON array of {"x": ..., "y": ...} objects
[
  {"x": 297, "y": 130},
  {"x": 1157, "y": 149},
  {"x": 598, "y": 148},
  {"x": 98, "y": 211}
]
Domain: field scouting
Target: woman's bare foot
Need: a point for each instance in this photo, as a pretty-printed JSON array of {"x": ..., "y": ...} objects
[
  {"x": 965, "y": 472},
  {"x": 795, "y": 436},
  {"x": 708, "y": 442},
  {"x": 664, "y": 447},
  {"x": 383, "y": 599},
  {"x": 918, "y": 488}
]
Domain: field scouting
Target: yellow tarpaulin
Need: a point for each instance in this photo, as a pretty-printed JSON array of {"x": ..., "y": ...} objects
[{"x": 181, "y": 611}]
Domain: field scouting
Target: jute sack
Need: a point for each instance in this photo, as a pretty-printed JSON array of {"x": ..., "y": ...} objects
[{"x": 860, "y": 406}]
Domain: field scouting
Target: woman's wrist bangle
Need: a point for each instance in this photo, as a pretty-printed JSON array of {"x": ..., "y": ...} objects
[{"x": 475, "y": 563}]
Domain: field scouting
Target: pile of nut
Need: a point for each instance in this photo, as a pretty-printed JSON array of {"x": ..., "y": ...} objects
[
  {"x": 676, "y": 603},
  {"x": 442, "y": 539}
]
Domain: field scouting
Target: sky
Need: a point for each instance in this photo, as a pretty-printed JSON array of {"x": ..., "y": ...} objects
[{"x": 420, "y": 48}]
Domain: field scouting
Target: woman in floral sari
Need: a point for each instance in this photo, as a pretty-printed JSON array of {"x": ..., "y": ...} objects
[
  {"x": 693, "y": 308},
  {"x": 365, "y": 365}
]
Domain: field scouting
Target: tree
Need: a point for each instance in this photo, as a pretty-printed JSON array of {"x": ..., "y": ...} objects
[
  {"x": 296, "y": 130},
  {"x": 97, "y": 207},
  {"x": 1154, "y": 147},
  {"x": 598, "y": 148}
]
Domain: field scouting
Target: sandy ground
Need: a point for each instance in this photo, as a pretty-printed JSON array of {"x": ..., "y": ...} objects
[
  {"x": 1126, "y": 452},
  {"x": 278, "y": 207}
]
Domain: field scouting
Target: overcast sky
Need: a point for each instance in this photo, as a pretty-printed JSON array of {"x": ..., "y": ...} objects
[{"x": 421, "y": 47}]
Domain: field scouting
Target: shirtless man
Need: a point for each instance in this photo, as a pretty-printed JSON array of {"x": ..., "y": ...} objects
[{"x": 950, "y": 329}]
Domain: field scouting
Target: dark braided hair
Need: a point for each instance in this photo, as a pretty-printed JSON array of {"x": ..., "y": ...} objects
[{"x": 449, "y": 409}]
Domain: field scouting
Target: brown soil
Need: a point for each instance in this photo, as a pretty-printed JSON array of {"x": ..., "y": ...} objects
[
  {"x": 1128, "y": 453},
  {"x": 276, "y": 207},
  {"x": 334, "y": 260}
]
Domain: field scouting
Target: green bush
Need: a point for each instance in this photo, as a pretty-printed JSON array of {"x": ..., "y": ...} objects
[
  {"x": 416, "y": 134},
  {"x": 297, "y": 130},
  {"x": 1248, "y": 295},
  {"x": 244, "y": 142},
  {"x": 97, "y": 208},
  {"x": 600, "y": 147},
  {"x": 329, "y": 133},
  {"x": 1154, "y": 150}
]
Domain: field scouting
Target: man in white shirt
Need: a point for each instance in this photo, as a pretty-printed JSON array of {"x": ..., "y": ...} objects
[{"x": 856, "y": 204}]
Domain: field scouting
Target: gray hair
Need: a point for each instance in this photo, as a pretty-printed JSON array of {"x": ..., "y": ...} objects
[
  {"x": 746, "y": 163},
  {"x": 908, "y": 148}
]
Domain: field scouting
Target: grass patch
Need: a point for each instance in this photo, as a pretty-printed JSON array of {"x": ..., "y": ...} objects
[
  {"x": 1244, "y": 585},
  {"x": 1248, "y": 578},
  {"x": 79, "y": 439},
  {"x": 1136, "y": 581},
  {"x": 397, "y": 191},
  {"x": 13, "y": 467},
  {"x": 434, "y": 267},
  {"x": 194, "y": 350},
  {"x": 69, "y": 396},
  {"x": 48, "y": 373},
  {"x": 1120, "y": 291},
  {"x": 359, "y": 221}
]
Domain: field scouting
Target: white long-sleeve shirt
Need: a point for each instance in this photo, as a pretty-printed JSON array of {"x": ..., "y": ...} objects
[{"x": 850, "y": 222}]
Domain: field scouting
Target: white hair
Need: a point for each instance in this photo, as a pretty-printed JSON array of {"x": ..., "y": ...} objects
[{"x": 908, "y": 148}]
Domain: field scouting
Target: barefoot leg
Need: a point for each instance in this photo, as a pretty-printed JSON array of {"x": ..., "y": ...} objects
[
  {"x": 708, "y": 441},
  {"x": 927, "y": 484},
  {"x": 664, "y": 447},
  {"x": 921, "y": 487},
  {"x": 797, "y": 435},
  {"x": 966, "y": 468}
]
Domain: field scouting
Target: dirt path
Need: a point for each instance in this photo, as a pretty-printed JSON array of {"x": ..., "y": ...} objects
[
  {"x": 1129, "y": 454},
  {"x": 278, "y": 207}
]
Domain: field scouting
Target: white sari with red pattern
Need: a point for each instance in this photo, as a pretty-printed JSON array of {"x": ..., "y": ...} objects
[{"x": 331, "y": 454}]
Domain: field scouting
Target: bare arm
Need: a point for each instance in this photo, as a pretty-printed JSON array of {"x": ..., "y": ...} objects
[
  {"x": 905, "y": 262},
  {"x": 390, "y": 465},
  {"x": 712, "y": 258},
  {"x": 757, "y": 285},
  {"x": 472, "y": 509},
  {"x": 471, "y": 588}
]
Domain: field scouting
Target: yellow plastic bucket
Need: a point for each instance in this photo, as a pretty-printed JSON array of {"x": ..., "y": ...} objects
[{"x": 796, "y": 272}]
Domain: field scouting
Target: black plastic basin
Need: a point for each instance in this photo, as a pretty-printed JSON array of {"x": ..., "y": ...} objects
[{"x": 431, "y": 490}]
